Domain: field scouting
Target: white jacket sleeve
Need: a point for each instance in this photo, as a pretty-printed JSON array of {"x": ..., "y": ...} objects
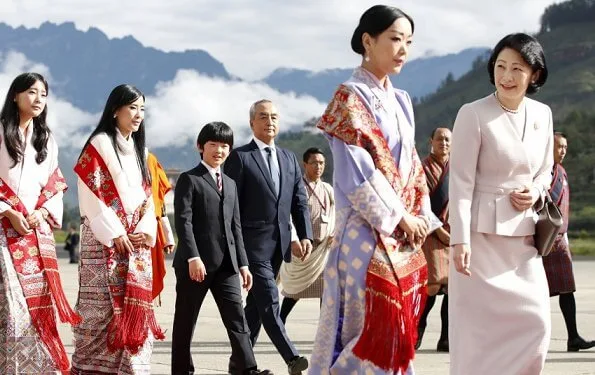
[{"x": 104, "y": 222}]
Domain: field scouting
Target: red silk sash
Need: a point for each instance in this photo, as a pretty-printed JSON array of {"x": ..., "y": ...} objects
[
  {"x": 129, "y": 275},
  {"x": 34, "y": 259},
  {"x": 394, "y": 288}
]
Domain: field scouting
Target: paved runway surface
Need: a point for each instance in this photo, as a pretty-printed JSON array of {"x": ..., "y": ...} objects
[{"x": 211, "y": 349}]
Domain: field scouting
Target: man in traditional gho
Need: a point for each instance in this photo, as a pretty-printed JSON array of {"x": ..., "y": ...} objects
[{"x": 437, "y": 244}]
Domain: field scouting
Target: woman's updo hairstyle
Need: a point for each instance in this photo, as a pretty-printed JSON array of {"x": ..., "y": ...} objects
[{"x": 375, "y": 21}]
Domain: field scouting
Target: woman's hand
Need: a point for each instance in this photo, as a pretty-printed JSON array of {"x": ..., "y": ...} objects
[
  {"x": 18, "y": 221},
  {"x": 123, "y": 244},
  {"x": 523, "y": 199},
  {"x": 35, "y": 218},
  {"x": 415, "y": 227},
  {"x": 137, "y": 239},
  {"x": 462, "y": 258}
]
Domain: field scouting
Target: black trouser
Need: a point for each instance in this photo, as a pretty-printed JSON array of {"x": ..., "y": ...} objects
[
  {"x": 262, "y": 306},
  {"x": 225, "y": 287}
]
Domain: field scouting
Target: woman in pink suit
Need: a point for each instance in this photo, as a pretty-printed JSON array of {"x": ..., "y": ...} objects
[{"x": 500, "y": 169}]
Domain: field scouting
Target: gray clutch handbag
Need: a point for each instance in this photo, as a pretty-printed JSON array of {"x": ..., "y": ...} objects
[{"x": 548, "y": 226}]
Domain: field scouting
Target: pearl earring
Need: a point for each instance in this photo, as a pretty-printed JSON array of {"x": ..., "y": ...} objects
[{"x": 367, "y": 58}]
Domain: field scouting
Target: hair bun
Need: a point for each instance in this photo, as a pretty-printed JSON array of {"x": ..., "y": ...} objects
[{"x": 356, "y": 41}]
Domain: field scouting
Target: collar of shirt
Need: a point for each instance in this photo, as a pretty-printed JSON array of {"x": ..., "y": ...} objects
[
  {"x": 212, "y": 170},
  {"x": 386, "y": 88},
  {"x": 26, "y": 137},
  {"x": 261, "y": 145}
]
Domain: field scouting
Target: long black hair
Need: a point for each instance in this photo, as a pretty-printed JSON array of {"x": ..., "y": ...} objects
[
  {"x": 121, "y": 96},
  {"x": 10, "y": 118}
]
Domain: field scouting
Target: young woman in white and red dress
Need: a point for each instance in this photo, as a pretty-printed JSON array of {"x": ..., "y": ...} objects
[
  {"x": 118, "y": 231},
  {"x": 31, "y": 191}
]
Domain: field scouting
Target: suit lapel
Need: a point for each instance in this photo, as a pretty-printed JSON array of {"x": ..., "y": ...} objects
[
  {"x": 528, "y": 127},
  {"x": 208, "y": 178},
  {"x": 262, "y": 164},
  {"x": 532, "y": 124},
  {"x": 532, "y": 130}
]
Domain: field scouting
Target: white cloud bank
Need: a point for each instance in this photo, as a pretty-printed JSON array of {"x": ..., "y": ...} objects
[{"x": 178, "y": 109}]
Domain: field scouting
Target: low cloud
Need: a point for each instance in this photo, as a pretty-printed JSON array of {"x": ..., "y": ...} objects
[
  {"x": 67, "y": 122},
  {"x": 178, "y": 109}
]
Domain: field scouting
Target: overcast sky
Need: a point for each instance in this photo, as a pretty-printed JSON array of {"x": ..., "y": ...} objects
[{"x": 253, "y": 37}]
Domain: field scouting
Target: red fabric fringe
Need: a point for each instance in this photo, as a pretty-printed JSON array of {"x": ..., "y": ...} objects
[
  {"x": 390, "y": 322},
  {"x": 44, "y": 321},
  {"x": 136, "y": 321},
  {"x": 129, "y": 331},
  {"x": 40, "y": 306},
  {"x": 131, "y": 295},
  {"x": 65, "y": 312}
]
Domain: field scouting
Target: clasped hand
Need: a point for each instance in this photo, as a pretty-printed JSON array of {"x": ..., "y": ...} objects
[
  {"x": 416, "y": 229},
  {"x": 126, "y": 243},
  {"x": 24, "y": 225}
]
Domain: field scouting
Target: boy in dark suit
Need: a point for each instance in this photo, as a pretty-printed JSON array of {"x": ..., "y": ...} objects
[{"x": 210, "y": 253}]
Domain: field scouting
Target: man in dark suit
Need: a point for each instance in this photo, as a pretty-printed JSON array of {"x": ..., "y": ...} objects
[
  {"x": 271, "y": 191},
  {"x": 210, "y": 253}
]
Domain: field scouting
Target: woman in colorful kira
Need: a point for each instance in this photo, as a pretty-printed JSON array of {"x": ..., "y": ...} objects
[
  {"x": 31, "y": 191},
  {"x": 119, "y": 227},
  {"x": 376, "y": 272}
]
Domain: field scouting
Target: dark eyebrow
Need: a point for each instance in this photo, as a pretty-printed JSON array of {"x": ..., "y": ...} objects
[
  {"x": 400, "y": 33},
  {"x": 513, "y": 63}
]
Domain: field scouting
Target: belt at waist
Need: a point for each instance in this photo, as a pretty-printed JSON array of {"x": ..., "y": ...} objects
[{"x": 493, "y": 189}]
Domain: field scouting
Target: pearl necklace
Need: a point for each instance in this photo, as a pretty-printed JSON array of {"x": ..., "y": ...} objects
[{"x": 513, "y": 111}]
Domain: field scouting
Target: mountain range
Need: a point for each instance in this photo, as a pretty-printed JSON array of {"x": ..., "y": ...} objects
[{"x": 86, "y": 65}]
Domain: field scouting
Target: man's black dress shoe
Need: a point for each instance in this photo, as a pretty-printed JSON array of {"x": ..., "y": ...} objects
[
  {"x": 578, "y": 343},
  {"x": 257, "y": 372},
  {"x": 297, "y": 365}
]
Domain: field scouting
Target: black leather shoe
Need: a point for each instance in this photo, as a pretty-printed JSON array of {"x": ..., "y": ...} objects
[
  {"x": 442, "y": 346},
  {"x": 578, "y": 343},
  {"x": 257, "y": 372},
  {"x": 297, "y": 365},
  {"x": 420, "y": 336}
]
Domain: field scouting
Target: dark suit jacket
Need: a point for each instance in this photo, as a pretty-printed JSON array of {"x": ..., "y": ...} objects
[
  {"x": 205, "y": 228},
  {"x": 265, "y": 217}
]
